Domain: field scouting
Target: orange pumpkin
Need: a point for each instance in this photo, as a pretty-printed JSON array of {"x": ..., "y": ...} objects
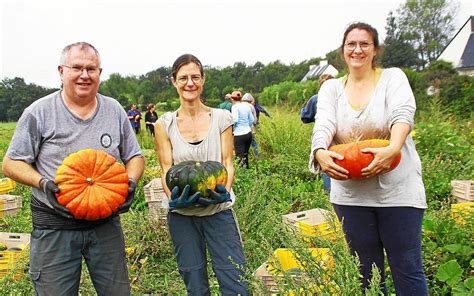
[
  {"x": 92, "y": 184},
  {"x": 355, "y": 160}
]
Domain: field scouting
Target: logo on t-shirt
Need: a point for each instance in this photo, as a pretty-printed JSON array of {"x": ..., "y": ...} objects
[{"x": 106, "y": 140}]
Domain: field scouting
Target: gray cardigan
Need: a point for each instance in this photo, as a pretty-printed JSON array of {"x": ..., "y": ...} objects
[{"x": 338, "y": 122}]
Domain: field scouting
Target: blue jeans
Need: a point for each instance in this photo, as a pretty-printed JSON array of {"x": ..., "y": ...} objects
[
  {"x": 255, "y": 147},
  {"x": 326, "y": 182},
  {"x": 219, "y": 232},
  {"x": 370, "y": 230},
  {"x": 56, "y": 260}
]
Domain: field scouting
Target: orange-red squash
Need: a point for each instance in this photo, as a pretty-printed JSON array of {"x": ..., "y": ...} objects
[
  {"x": 92, "y": 184},
  {"x": 354, "y": 160}
]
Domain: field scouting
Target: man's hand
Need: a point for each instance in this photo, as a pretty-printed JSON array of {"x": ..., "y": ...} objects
[
  {"x": 132, "y": 185},
  {"x": 220, "y": 195},
  {"x": 183, "y": 200},
  {"x": 51, "y": 189}
]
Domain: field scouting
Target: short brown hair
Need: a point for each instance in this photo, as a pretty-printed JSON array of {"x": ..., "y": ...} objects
[
  {"x": 184, "y": 60},
  {"x": 324, "y": 77}
]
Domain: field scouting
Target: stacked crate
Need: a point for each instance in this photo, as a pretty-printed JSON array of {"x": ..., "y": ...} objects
[
  {"x": 16, "y": 243},
  {"x": 314, "y": 222},
  {"x": 154, "y": 195},
  {"x": 10, "y": 205},
  {"x": 284, "y": 262},
  {"x": 462, "y": 193}
]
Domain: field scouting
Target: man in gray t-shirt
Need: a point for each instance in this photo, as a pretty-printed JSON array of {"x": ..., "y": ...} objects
[{"x": 72, "y": 119}]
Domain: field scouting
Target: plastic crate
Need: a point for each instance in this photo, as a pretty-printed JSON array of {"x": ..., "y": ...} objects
[
  {"x": 287, "y": 261},
  {"x": 461, "y": 212},
  {"x": 9, "y": 204},
  {"x": 314, "y": 222},
  {"x": 462, "y": 190},
  {"x": 9, "y": 258},
  {"x": 6, "y": 185}
]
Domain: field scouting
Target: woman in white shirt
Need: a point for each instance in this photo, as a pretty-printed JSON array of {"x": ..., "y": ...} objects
[{"x": 243, "y": 122}]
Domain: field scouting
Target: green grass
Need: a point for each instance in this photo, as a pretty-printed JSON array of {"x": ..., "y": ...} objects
[{"x": 278, "y": 184}]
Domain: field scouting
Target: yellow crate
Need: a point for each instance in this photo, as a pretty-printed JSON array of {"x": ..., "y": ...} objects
[
  {"x": 462, "y": 211},
  {"x": 462, "y": 190},
  {"x": 9, "y": 258},
  {"x": 6, "y": 185},
  {"x": 269, "y": 275},
  {"x": 314, "y": 222},
  {"x": 285, "y": 260}
]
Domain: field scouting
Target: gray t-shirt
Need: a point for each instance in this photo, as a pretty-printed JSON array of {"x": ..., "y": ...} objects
[
  {"x": 208, "y": 149},
  {"x": 47, "y": 132}
]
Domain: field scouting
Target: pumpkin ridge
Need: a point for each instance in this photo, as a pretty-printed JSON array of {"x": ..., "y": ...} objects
[
  {"x": 114, "y": 187},
  {"x": 99, "y": 159},
  {"x": 81, "y": 161},
  {"x": 108, "y": 163},
  {"x": 77, "y": 171},
  {"x": 110, "y": 172},
  {"x": 114, "y": 201},
  {"x": 112, "y": 175},
  {"x": 100, "y": 208}
]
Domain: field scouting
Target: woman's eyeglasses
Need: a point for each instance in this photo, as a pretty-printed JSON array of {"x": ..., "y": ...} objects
[
  {"x": 196, "y": 79},
  {"x": 353, "y": 45}
]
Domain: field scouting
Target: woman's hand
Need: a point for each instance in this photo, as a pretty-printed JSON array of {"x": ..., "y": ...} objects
[
  {"x": 325, "y": 158},
  {"x": 383, "y": 158}
]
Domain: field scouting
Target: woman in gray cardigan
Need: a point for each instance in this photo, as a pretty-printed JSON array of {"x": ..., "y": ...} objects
[{"x": 383, "y": 211}]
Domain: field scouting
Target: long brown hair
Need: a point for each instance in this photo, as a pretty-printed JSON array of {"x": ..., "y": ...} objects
[{"x": 366, "y": 27}]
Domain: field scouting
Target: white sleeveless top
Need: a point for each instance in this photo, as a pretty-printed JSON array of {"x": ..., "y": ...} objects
[{"x": 209, "y": 149}]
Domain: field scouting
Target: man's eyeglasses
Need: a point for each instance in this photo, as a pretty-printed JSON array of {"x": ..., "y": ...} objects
[
  {"x": 353, "y": 45},
  {"x": 182, "y": 80},
  {"x": 91, "y": 71}
]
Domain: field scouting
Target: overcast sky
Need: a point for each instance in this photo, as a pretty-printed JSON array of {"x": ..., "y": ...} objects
[{"x": 138, "y": 36}]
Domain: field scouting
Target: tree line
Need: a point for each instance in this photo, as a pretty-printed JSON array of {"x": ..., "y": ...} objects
[{"x": 417, "y": 32}]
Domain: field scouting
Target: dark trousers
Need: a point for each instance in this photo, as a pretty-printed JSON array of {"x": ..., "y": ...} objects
[
  {"x": 219, "y": 234},
  {"x": 151, "y": 129},
  {"x": 56, "y": 260},
  {"x": 370, "y": 230},
  {"x": 242, "y": 145}
]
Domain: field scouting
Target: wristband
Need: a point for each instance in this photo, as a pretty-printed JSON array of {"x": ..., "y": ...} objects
[{"x": 42, "y": 183}]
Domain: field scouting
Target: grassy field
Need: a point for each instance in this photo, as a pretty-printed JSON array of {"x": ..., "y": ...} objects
[{"x": 280, "y": 183}]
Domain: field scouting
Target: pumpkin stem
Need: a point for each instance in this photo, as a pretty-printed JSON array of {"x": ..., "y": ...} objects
[{"x": 90, "y": 181}]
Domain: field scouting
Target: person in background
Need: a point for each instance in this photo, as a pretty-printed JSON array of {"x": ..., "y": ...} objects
[
  {"x": 74, "y": 118},
  {"x": 196, "y": 223},
  {"x": 308, "y": 112},
  {"x": 134, "y": 116},
  {"x": 259, "y": 109},
  {"x": 150, "y": 118},
  {"x": 248, "y": 98},
  {"x": 307, "y": 116},
  {"x": 227, "y": 104},
  {"x": 243, "y": 122},
  {"x": 384, "y": 211}
]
